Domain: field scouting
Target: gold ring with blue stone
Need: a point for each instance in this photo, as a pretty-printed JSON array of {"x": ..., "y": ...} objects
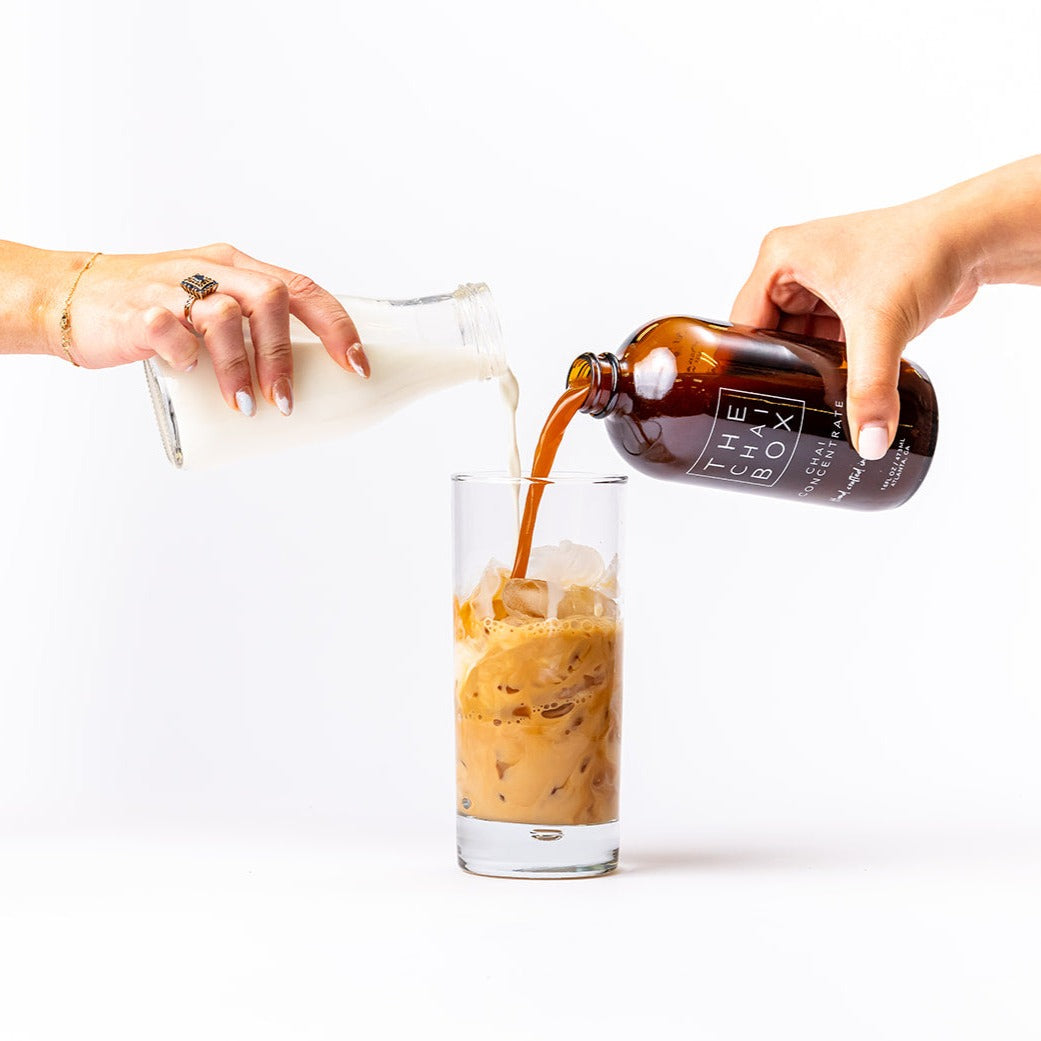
[{"x": 197, "y": 287}]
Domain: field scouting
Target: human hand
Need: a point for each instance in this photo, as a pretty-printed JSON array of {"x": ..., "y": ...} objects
[
  {"x": 131, "y": 307},
  {"x": 876, "y": 280}
]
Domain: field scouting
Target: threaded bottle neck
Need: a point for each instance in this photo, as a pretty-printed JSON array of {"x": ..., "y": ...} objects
[
  {"x": 600, "y": 373},
  {"x": 479, "y": 327}
]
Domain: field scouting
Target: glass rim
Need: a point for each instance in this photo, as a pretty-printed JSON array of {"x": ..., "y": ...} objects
[{"x": 563, "y": 477}]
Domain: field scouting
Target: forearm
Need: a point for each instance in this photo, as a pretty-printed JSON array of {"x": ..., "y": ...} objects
[
  {"x": 33, "y": 283},
  {"x": 995, "y": 220}
]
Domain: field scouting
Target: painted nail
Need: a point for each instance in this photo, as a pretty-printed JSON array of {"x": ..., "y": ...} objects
[
  {"x": 873, "y": 442},
  {"x": 283, "y": 395},
  {"x": 245, "y": 402},
  {"x": 356, "y": 360}
]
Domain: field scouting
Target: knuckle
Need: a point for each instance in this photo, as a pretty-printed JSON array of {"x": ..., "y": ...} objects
[
  {"x": 301, "y": 286},
  {"x": 892, "y": 315},
  {"x": 872, "y": 387},
  {"x": 278, "y": 354},
  {"x": 233, "y": 370},
  {"x": 775, "y": 242},
  {"x": 275, "y": 295},
  {"x": 341, "y": 325},
  {"x": 222, "y": 251},
  {"x": 159, "y": 322},
  {"x": 878, "y": 332},
  {"x": 226, "y": 310}
]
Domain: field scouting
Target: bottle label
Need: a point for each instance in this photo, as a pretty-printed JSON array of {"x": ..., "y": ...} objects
[{"x": 753, "y": 438}]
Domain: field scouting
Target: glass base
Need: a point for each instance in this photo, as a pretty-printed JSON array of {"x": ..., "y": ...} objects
[{"x": 536, "y": 850}]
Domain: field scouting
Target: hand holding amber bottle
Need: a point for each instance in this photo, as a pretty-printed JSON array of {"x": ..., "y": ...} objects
[{"x": 879, "y": 278}]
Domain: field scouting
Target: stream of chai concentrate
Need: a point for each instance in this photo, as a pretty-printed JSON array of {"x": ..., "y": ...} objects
[{"x": 560, "y": 416}]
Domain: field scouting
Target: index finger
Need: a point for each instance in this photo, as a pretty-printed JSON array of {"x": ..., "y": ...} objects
[
  {"x": 319, "y": 310},
  {"x": 753, "y": 305}
]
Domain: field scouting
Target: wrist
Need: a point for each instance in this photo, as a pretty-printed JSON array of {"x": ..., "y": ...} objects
[
  {"x": 996, "y": 219},
  {"x": 955, "y": 223},
  {"x": 32, "y": 296}
]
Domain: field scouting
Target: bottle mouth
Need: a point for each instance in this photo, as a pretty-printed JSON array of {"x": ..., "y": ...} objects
[
  {"x": 600, "y": 373},
  {"x": 480, "y": 328}
]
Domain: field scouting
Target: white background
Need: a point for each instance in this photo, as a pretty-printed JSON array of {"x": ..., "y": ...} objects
[{"x": 226, "y": 784}]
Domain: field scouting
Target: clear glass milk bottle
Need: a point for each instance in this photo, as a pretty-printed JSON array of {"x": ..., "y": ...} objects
[{"x": 414, "y": 347}]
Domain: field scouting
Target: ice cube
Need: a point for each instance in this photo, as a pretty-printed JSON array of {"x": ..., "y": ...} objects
[
  {"x": 526, "y": 598},
  {"x": 487, "y": 590},
  {"x": 608, "y": 581},
  {"x": 568, "y": 564},
  {"x": 583, "y": 602}
]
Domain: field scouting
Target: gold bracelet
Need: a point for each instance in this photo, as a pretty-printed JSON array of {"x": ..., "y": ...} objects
[{"x": 66, "y": 315}]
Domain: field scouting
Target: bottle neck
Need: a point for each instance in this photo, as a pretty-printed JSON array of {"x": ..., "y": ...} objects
[
  {"x": 600, "y": 372},
  {"x": 460, "y": 329},
  {"x": 479, "y": 328}
]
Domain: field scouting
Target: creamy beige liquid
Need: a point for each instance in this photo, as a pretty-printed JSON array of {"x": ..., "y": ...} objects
[{"x": 538, "y": 701}]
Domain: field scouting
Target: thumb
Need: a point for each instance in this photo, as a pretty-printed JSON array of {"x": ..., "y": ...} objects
[{"x": 874, "y": 345}]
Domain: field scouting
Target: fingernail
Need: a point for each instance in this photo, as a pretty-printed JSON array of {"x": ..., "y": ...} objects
[
  {"x": 873, "y": 442},
  {"x": 283, "y": 394},
  {"x": 356, "y": 360},
  {"x": 245, "y": 402},
  {"x": 192, "y": 367}
]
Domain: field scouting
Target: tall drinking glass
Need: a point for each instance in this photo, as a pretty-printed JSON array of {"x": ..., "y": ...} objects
[{"x": 538, "y": 677}]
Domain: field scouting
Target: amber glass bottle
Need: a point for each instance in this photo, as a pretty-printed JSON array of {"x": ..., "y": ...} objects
[{"x": 752, "y": 410}]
